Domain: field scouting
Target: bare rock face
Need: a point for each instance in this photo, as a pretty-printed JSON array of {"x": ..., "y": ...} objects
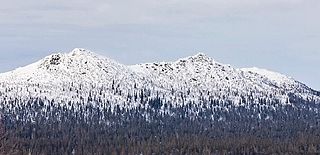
[{"x": 55, "y": 59}]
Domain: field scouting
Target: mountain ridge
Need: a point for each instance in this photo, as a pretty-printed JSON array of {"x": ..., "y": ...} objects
[{"x": 76, "y": 75}]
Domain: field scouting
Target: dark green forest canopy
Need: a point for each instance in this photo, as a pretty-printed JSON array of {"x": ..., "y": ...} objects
[{"x": 55, "y": 129}]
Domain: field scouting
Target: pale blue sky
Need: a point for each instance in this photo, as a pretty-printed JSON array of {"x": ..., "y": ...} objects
[{"x": 279, "y": 35}]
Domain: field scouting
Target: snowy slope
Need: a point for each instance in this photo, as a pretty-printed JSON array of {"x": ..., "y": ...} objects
[
  {"x": 202, "y": 75},
  {"x": 69, "y": 77},
  {"x": 77, "y": 65},
  {"x": 277, "y": 78},
  {"x": 81, "y": 77}
]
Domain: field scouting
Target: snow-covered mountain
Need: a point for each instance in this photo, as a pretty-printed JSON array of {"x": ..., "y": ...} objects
[
  {"x": 68, "y": 101},
  {"x": 201, "y": 74},
  {"x": 82, "y": 77}
]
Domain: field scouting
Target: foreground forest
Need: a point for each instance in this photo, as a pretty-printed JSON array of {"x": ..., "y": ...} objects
[
  {"x": 84, "y": 140},
  {"x": 54, "y": 129}
]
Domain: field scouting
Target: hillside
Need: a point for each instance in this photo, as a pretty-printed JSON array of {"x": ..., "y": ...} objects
[{"x": 83, "y": 103}]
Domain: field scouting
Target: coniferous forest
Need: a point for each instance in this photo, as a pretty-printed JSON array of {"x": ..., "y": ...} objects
[{"x": 155, "y": 127}]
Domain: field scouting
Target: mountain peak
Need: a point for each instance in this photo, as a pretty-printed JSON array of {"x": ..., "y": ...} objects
[
  {"x": 65, "y": 59},
  {"x": 200, "y": 54},
  {"x": 199, "y": 57},
  {"x": 80, "y": 51}
]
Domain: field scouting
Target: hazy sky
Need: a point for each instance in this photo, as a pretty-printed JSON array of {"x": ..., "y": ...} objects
[{"x": 280, "y": 35}]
